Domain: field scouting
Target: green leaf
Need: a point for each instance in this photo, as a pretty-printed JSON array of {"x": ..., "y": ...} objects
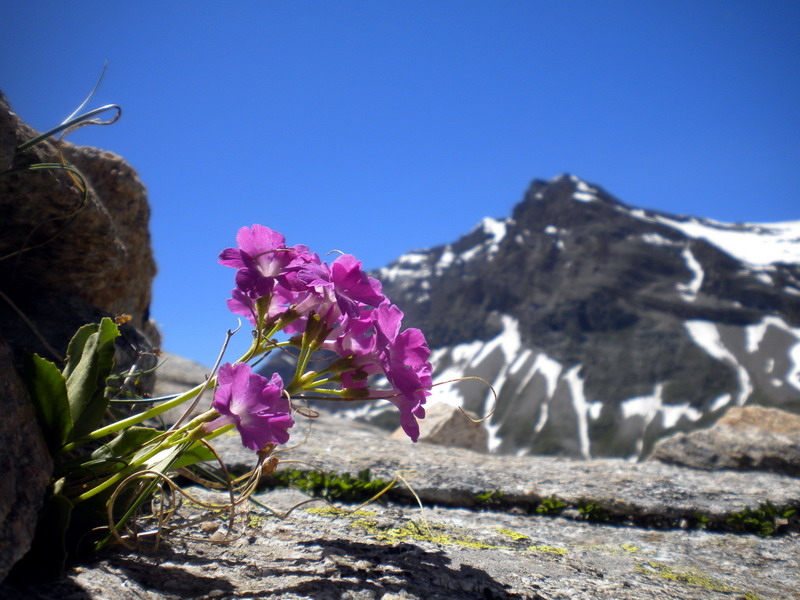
[
  {"x": 126, "y": 443},
  {"x": 48, "y": 391},
  {"x": 198, "y": 452},
  {"x": 90, "y": 359}
]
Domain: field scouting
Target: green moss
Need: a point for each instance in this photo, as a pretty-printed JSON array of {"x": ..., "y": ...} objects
[
  {"x": 331, "y": 486},
  {"x": 765, "y": 520},
  {"x": 591, "y": 511},
  {"x": 489, "y": 498},
  {"x": 551, "y": 506},
  {"x": 691, "y": 577},
  {"x": 421, "y": 532}
]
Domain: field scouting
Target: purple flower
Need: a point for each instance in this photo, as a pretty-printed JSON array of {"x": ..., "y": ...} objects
[
  {"x": 256, "y": 406},
  {"x": 352, "y": 287},
  {"x": 260, "y": 249},
  {"x": 405, "y": 362}
]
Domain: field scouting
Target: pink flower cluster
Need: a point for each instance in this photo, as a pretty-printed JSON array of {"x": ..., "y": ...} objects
[
  {"x": 256, "y": 405},
  {"x": 292, "y": 287}
]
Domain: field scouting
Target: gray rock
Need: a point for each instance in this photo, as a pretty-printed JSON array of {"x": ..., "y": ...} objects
[
  {"x": 746, "y": 438},
  {"x": 176, "y": 375},
  {"x": 25, "y": 466},
  {"x": 448, "y": 549},
  {"x": 447, "y": 426},
  {"x": 319, "y": 552},
  {"x": 649, "y": 493}
]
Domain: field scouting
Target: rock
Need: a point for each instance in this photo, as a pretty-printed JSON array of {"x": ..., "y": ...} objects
[
  {"x": 57, "y": 245},
  {"x": 448, "y": 426},
  {"x": 65, "y": 260},
  {"x": 176, "y": 375},
  {"x": 649, "y": 493},
  {"x": 747, "y": 438},
  {"x": 401, "y": 551},
  {"x": 25, "y": 465}
]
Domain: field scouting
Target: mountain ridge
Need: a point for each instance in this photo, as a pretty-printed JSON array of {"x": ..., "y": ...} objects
[{"x": 603, "y": 326}]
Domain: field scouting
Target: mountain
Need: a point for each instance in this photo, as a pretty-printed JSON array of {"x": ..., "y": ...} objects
[{"x": 601, "y": 326}]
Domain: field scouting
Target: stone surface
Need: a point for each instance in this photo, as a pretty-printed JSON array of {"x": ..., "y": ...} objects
[
  {"x": 447, "y": 426},
  {"x": 176, "y": 375},
  {"x": 746, "y": 438},
  {"x": 25, "y": 466},
  {"x": 648, "y": 493},
  {"x": 449, "y": 548},
  {"x": 58, "y": 246}
]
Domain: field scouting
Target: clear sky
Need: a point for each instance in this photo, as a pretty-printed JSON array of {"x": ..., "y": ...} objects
[{"x": 375, "y": 127}]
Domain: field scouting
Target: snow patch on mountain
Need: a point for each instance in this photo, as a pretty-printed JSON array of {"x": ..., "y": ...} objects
[
  {"x": 655, "y": 239},
  {"x": 688, "y": 291},
  {"x": 706, "y": 335},
  {"x": 755, "y": 244},
  {"x": 408, "y": 267},
  {"x": 583, "y": 409}
]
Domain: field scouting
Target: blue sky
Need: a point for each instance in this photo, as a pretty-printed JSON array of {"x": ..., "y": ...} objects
[{"x": 378, "y": 127}]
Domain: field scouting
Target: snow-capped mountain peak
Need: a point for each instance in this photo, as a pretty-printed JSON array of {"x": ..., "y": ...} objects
[{"x": 603, "y": 326}]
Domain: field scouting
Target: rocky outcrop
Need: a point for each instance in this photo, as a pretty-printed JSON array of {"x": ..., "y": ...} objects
[
  {"x": 74, "y": 248},
  {"x": 491, "y": 527},
  {"x": 448, "y": 426},
  {"x": 176, "y": 375},
  {"x": 61, "y": 246},
  {"x": 750, "y": 438},
  {"x": 25, "y": 466}
]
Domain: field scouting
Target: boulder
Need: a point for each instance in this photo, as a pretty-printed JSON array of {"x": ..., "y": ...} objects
[
  {"x": 67, "y": 258},
  {"x": 176, "y": 375},
  {"x": 65, "y": 246},
  {"x": 25, "y": 466},
  {"x": 752, "y": 438},
  {"x": 448, "y": 426}
]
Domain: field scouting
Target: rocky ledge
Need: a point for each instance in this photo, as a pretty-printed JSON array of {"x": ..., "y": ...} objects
[{"x": 489, "y": 527}]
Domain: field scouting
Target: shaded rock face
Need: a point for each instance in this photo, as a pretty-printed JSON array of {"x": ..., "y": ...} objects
[
  {"x": 54, "y": 244},
  {"x": 750, "y": 438},
  {"x": 65, "y": 261},
  {"x": 25, "y": 466},
  {"x": 604, "y": 327}
]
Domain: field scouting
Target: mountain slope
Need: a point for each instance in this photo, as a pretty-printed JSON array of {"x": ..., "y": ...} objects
[{"x": 603, "y": 327}]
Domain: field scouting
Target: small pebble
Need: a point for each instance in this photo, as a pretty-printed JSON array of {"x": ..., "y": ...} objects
[{"x": 209, "y": 527}]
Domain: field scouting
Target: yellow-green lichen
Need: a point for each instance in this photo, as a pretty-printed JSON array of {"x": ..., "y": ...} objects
[
  {"x": 512, "y": 534},
  {"x": 255, "y": 521},
  {"x": 421, "y": 532},
  {"x": 628, "y": 547},
  {"x": 333, "y": 511},
  {"x": 542, "y": 549},
  {"x": 691, "y": 577}
]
